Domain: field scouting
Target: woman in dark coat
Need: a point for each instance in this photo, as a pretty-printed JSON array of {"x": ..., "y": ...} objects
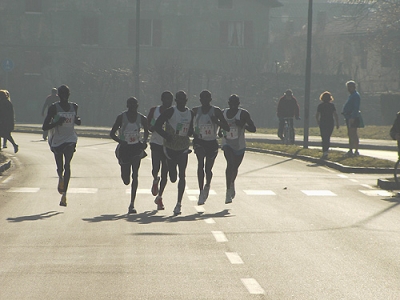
[{"x": 7, "y": 118}]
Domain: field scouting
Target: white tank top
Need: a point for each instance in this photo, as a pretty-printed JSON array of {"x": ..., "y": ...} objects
[
  {"x": 64, "y": 133},
  {"x": 155, "y": 137},
  {"x": 130, "y": 132},
  {"x": 204, "y": 127},
  {"x": 235, "y": 137},
  {"x": 178, "y": 126}
]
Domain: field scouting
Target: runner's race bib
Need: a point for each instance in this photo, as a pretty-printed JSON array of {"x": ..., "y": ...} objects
[
  {"x": 182, "y": 129},
  {"x": 233, "y": 131},
  {"x": 131, "y": 137},
  {"x": 69, "y": 118}
]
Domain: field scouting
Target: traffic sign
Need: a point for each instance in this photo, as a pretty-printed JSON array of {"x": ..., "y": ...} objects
[{"x": 7, "y": 65}]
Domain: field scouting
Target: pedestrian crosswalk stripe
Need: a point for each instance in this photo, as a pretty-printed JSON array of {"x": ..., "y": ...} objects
[
  {"x": 139, "y": 191},
  {"x": 209, "y": 221},
  {"x": 318, "y": 193},
  {"x": 23, "y": 190},
  {"x": 82, "y": 191},
  {"x": 377, "y": 193},
  {"x": 259, "y": 193},
  {"x": 252, "y": 286},
  {"x": 234, "y": 258}
]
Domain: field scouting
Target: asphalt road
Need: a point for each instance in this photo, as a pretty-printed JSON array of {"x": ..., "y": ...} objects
[{"x": 294, "y": 231}]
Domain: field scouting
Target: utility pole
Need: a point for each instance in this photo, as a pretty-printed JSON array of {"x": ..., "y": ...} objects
[
  {"x": 308, "y": 76},
  {"x": 137, "y": 58}
]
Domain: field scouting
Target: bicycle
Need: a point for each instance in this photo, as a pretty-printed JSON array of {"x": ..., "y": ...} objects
[{"x": 288, "y": 132}]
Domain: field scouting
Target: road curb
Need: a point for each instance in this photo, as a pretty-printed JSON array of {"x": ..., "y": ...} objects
[
  {"x": 5, "y": 166},
  {"x": 330, "y": 164}
]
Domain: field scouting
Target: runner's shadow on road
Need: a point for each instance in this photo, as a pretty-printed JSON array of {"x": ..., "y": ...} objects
[
  {"x": 37, "y": 217},
  {"x": 149, "y": 217}
]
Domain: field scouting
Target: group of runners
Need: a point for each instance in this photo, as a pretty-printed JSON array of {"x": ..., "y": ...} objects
[{"x": 171, "y": 127}]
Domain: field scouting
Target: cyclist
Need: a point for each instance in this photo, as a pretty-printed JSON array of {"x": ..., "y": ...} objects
[
  {"x": 288, "y": 107},
  {"x": 395, "y": 132}
]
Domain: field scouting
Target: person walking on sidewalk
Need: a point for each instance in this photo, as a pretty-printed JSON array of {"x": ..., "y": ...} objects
[
  {"x": 288, "y": 108},
  {"x": 49, "y": 101},
  {"x": 60, "y": 120},
  {"x": 178, "y": 121},
  {"x": 130, "y": 149},
  {"x": 158, "y": 158},
  {"x": 207, "y": 119},
  {"x": 326, "y": 117},
  {"x": 351, "y": 113},
  {"x": 234, "y": 143},
  {"x": 7, "y": 119}
]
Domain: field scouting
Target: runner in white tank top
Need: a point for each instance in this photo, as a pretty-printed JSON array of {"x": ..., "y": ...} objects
[
  {"x": 234, "y": 143},
  {"x": 206, "y": 122},
  {"x": 60, "y": 119},
  {"x": 178, "y": 121},
  {"x": 130, "y": 149},
  {"x": 158, "y": 158}
]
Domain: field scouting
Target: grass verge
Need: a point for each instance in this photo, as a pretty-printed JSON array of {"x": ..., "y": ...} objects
[{"x": 334, "y": 156}]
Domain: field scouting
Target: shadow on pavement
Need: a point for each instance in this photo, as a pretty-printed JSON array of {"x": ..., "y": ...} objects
[
  {"x": 37, "y": 217},
  {"x": 149, "y": 217}
]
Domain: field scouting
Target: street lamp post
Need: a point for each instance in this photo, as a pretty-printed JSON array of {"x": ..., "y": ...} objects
[
  {"x": 137, "y": 57},
  {"x": 308, "y": 76}
]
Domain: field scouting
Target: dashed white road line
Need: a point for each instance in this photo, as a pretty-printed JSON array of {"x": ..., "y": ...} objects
[
  {"x": 23, "y": 190},
  {"x": 192, "y": 198},
  {"x": 200, "y": 209},
  {"x": 219, "y": 236},
  {"x": 380, "y": 193},
  {"x": 259, "y": 193},
  {"x": 252, "y": 286},
  {"x": 234, "y": 258},
  {"x": 209, "y": 221},
  {"x": 343, "y": 176},
  {"x": 82, "y": 190},
  {"x": 367, "y": 186},
  {"x": 353, "y": 180},
  {"x": 9, "y": 178},
  {"x": 318, "y": 193}
]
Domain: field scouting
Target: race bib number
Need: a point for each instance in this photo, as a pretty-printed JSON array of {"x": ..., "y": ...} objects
[
  {"x": 233, "y": 131},
  {"x": 131, "y": 137},
  {"x": 206, "y": 130},
  {"x": 182, "y": 129},
  {"x": 69, "y": 119}
]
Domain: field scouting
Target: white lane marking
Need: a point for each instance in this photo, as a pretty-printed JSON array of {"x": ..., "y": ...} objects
[
  {"x": 82, "y": 190},
  {"x": 9, "y": 178},
  {"x": 259, "y": 193},
  {"x": 342, "y": 176},
  {"x": 192, "y": 198},
  {"x": 234, "y": 258},
  {"x": 367, "y": 186},
  {"x": 219, "y": 236},
  {"x": 252, "y": 286},
  {"x": 209, "y": 221},
  {"x": 318, "y": 193},
  {"x": 376, "y": 193},
  {"x": 200, "y": 209},
  {"x": 197, "y": 192},
  {"x": 353, "y": 180},
  {"x": 23, "y": 190},
  {"x": 139, "y": 191}
]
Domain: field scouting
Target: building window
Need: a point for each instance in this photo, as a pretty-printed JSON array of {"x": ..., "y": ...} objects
[
  {"x": 90, "y": 31},
  {"x": 150, "y": 33},
  {"x": 32, "y": 63},
  {"x": 225, "y": 4},
  {"x": 33, "y": 6},
  {"x": 236, "y": 34}
]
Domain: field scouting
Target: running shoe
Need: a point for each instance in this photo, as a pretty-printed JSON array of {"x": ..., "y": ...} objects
[
  {"x": 63, "y": 201},
  {"x": 60, "y": 186},
  {"x": 324, "y": 155},
  {"x": 202, "y": 199},
  {"x": 356, "y": 153},
  {"x": 158, "y": 201},
  {"x": 177, "y": 210},
  {"x": 16, "y": 147},
  {"x": 228, "y": 197},
  {"x": 131, "y": 210},
  {"x": 154, "y": 188},
  {"x": 349, "y": 154}
]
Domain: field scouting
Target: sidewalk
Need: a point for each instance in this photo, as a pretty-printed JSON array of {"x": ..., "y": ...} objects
[{"x": 315, "y": 141}]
